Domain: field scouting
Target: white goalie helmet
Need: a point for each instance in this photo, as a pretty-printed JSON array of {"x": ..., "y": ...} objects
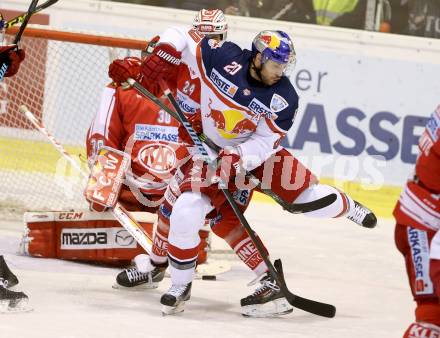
[{"x": 211, "y": 22}]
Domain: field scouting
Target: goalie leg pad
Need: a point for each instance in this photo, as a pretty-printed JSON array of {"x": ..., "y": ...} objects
[{"x": 81, "y": 235}]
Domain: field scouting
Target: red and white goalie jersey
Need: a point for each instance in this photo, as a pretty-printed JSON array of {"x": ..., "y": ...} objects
[
  {"x": 419, "y": 203},
  {"x": 131, "y": 123}
]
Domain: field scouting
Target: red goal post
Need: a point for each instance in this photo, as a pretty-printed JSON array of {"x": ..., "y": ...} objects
[
  {"x": 45, "y": 32},
  {"x": 60, "y": 81}
]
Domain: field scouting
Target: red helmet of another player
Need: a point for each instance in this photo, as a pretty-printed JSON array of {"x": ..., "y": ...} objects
[{"x": 211, "y": 22}]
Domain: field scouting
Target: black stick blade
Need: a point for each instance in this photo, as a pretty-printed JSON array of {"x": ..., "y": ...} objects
[
  {"x": 299, "y": 208},
  {"x": 308, "y": 305}
]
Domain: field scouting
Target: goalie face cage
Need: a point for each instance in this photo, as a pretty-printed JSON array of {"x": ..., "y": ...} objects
[{"x": 60, "y": 81}]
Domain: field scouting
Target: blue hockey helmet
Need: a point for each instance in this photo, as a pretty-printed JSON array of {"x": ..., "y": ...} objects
[{"x": 276, "y": 46}]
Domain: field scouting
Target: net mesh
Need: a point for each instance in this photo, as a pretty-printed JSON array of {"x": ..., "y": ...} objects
[{"x": 61, "y": 83}]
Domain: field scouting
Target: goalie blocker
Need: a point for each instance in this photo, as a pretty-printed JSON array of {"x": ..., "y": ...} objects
[{"x": 106, "y": 177}]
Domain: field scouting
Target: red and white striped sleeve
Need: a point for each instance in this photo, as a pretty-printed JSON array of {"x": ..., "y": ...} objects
[{"x": 106, "y": 128}]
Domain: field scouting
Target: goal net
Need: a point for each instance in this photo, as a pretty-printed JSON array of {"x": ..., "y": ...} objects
[{"x": 60, "y": 81}]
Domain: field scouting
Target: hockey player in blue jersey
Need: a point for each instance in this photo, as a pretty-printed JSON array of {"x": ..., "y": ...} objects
[{"x": 247, "y": 107}]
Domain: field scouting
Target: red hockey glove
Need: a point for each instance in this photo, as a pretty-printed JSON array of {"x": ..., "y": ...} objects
[
  {"x": 229, "y": 165},
  {"x": 13, "y": 57},
  {"x": 163, "y": 61},
  {"x": 196, "y": 122},
  {"x": 121, "y": 69}
]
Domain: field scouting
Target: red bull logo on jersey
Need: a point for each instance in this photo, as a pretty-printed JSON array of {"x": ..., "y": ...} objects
[
  {"x": 231, "y": 123},
  {"x": 223, "y": 84},
  {"x": 158, "y": 158}
]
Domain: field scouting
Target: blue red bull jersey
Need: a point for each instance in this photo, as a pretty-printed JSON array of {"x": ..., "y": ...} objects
[{"x": 236, "y": 110}]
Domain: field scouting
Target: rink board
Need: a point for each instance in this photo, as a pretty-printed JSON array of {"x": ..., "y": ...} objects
[{"x": 37, "y": 157}]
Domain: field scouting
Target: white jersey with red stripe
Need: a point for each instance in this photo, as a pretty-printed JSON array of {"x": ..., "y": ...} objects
[
  {"x": 236, "y": 109},
  {"x": 419, "y": 203},
  {"x": 188, "y": 90}
]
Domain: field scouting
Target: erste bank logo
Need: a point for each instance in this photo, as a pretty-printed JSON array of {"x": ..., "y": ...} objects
[
  {"x": 259, "y": 108},
  {"x": 223, "y": 84}
]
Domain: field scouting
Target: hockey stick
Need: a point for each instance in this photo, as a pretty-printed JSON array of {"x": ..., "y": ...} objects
[
  {"x": 30, "y": 11},
  {"x": 119, "y": 212},
  {"x": 4, "y": 67},
  {"x": 294, "y": 208},
  {"x": 311, "y": 306},
  {"x": 22, "y": 17}
]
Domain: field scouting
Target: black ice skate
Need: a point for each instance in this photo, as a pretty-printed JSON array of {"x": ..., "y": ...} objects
[
  {"x": 9, "y": 279},
  {"x": 361, "y": 215},
  {"x": 133, "y": 278},
  {"x": 174, "y": 300},
  {"x": 267, "y": 300},
  {"x": 11, "y": 301}
]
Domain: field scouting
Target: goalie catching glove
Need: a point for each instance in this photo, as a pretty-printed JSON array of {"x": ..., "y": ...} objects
[{"x": 11, "y": 56}]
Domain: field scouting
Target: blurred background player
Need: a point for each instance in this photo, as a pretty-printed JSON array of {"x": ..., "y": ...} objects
[
  {"x": 417, "y": 232},
  {"x": 11, "y": 56},
  {"x": 237, "y": 89}
]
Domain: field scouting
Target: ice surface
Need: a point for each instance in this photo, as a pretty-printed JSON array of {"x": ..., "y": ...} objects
[{"x": 358, "y": 270}]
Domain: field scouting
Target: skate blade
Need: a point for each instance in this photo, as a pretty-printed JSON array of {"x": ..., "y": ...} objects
[
  {"x": 141, "y": 287},
  {"x": 172, "y": 310},
  {"x": 276, "y": 308},
  {"x": 8, "y": 307}
]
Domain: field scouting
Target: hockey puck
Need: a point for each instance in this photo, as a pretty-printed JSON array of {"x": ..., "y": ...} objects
[{"x": 209, "y": 277}]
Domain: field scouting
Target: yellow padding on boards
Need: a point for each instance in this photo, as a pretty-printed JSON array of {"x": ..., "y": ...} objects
[
  {"x": 379, "y": 199},
  {"x": 36, "y": 156}
]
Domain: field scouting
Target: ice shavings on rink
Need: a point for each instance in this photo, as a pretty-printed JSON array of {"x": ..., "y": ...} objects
[{"x": 356, "y": 269}]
